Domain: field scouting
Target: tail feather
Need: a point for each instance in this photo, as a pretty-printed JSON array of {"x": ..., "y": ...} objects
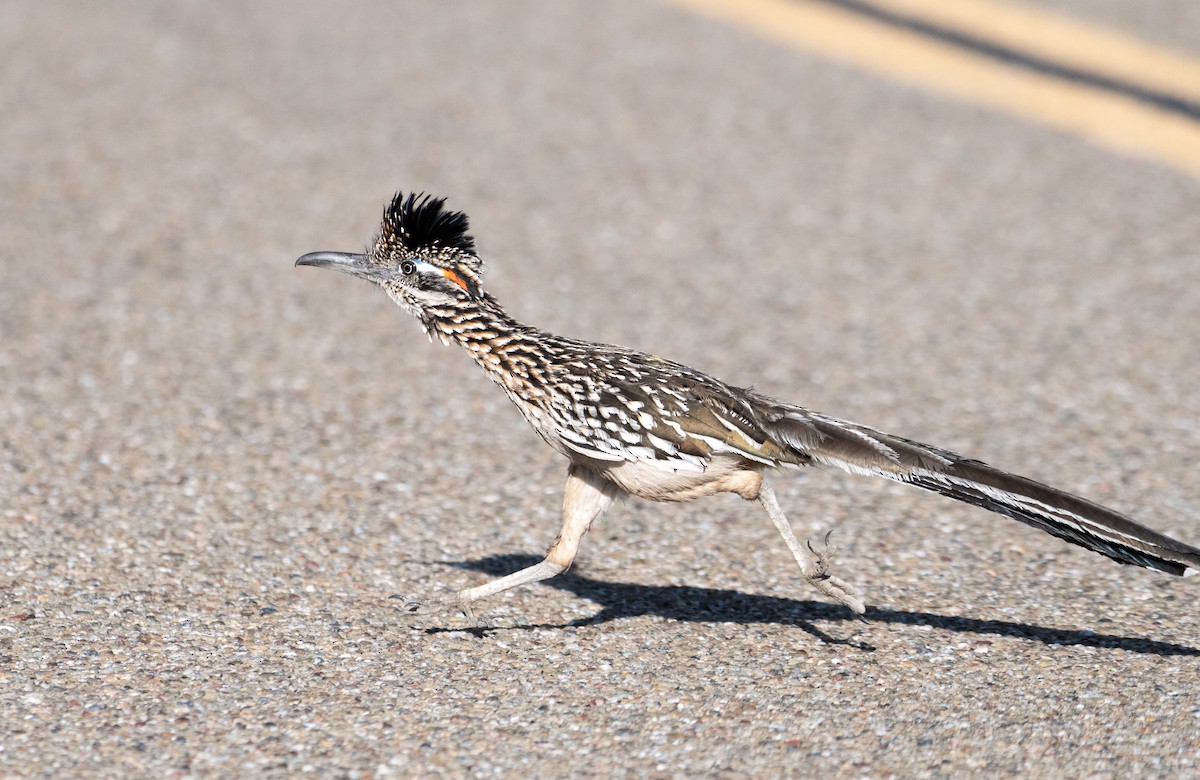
[
  {"x": 1061, "y": 514},
  {"x": 856, "y": 448}
]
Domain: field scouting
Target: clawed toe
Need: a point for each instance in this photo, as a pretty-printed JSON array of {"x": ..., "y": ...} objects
[
  {"x": 440, "y": 606},
  {"x": 411, "y": 607},
  {"x": 434, "y": 606},
  {"x": 816, "y": 572},
  {"x": 838, "y": 590},
  {"x": 828, "y": 551},
  {"x": 818, "y": 567}
]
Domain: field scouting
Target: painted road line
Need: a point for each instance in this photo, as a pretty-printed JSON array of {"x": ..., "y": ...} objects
[
  {"x": 1057, "y": 38},
  {"x": 1108, "y": 117},
  {"x": 1113, "y": 77}
]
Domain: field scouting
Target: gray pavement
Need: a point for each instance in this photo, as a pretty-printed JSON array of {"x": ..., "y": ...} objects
[{"x": 216, "y": 470}]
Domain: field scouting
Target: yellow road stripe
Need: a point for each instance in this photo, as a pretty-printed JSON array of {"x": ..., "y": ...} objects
[
  {"x": 1063, "y": 40},
  {"x": 1114, "y": 121}
]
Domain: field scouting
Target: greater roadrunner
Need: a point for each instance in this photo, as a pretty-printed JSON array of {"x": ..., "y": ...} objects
[{"x": 632, "y": 423}]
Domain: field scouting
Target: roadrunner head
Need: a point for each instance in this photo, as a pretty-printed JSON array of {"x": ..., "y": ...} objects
[{"x": 423, "y": 256}]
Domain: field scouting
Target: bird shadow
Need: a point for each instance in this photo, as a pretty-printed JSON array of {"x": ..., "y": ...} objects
[{"x": 716, "y": 605}]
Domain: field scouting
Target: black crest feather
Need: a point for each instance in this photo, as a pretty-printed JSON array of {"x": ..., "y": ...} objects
[{"x": 420, "y": 221}]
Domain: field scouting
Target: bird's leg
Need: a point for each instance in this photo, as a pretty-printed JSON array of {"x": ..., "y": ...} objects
[
  {"x": 586, "y": 497},
  {"x": 815, "y": 569}
]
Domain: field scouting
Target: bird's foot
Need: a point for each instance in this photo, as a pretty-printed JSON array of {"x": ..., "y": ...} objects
[
  {"x": 441, "y": 606},
  {"x": 816, "y": 573}
]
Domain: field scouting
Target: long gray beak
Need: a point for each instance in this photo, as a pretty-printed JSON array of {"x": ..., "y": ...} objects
[{"x": 355, "y": 265}]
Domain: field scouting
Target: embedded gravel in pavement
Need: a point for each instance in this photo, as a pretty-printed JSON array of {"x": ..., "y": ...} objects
[{"x": 218, "y": 472}]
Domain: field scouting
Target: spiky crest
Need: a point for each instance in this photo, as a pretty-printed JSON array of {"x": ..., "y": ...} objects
[
  {"x": 419, "y": 225},
  {"x": 420, "y": 222}
]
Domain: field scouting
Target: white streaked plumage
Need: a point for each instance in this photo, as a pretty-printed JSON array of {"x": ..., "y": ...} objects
[{"x": 636, "y": 424}]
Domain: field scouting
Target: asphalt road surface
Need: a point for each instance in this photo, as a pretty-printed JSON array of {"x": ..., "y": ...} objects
[{"x": 218, "y": 472}]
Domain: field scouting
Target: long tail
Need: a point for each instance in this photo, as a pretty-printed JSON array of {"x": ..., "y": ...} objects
[{"x": 856, "y": 448}]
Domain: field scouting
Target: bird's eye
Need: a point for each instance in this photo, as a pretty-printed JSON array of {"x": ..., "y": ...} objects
[{"x": 408, "y": 268}]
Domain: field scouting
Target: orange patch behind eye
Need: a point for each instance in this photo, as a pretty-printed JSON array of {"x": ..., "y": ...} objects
[{"x": 454, "y": 277}]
